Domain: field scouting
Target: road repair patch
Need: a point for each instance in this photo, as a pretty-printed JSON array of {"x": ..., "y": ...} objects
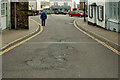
[{"x": 55, "y": 56}]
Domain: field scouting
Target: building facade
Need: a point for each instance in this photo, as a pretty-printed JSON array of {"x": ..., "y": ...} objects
[
  {"x": 62, "y": 4},
  {"x": 5, "y": 14},
  {"x": 81, "y": 5},
  {"x": 104, "y": 14},
  {"x": 96, "y": 12},
  {"x": 0, "y": 16},
  {"x": 113, "y": 16},
  {"x": 45, "y": 4},
  {"x": 35, "y": 5}
]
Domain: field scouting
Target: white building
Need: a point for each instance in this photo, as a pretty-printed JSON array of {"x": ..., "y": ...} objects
[
  {"x": 96, "y": 12},
  {"x": 35, "y": 5},
  {"x": 59, "y": 3},
  {"x": 5, "y": 14},
  {"x": 104, "y": 14},
  {"x": 0, "y": 16}
]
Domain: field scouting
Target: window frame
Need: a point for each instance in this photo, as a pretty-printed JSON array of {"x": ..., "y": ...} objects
[
  {"x": 100, "y": 13},
  {"x": 3, "y": 9},
  {"x": 114, "y": 9},
  {"x": 90, "y": 11}
]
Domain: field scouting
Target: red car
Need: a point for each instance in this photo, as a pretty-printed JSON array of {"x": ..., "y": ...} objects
[{"x": 75, "y": 13}]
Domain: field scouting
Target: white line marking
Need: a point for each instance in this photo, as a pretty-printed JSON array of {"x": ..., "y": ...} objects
[{"x": 61, "y": 43}]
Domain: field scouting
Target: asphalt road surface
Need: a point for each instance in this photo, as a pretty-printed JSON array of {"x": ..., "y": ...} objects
[{"x": 60, "y": 51}]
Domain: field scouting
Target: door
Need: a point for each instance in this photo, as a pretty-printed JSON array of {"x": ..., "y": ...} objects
[
  {"x": 76, "y": 14},
  {"x": 3, "y": 15},
  {"x": 95, "y": 14}
]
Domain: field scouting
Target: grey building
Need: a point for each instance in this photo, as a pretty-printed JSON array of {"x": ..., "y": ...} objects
[
  {"x": 113, "y": 16},
  {"x": 64, "y": 5},
  {"x": 104, "y": 14}
]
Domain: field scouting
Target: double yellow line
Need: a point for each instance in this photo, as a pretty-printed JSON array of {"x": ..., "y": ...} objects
[
  {"x": 10, "y": 48},
  {"x": 104, "y": 44},
  {"x": 41, "y": 29}
]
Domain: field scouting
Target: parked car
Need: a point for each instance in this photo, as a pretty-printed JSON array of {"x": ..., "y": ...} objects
[
  {"x": 48, "y": 10},
  {"x": 75, "y": 13},
  {"x": 60, "y": 12},
  {"x": 82, "y": 12},
  {"x": 57, "y": 12},
  {"x": 30, "y": 13},
  {"x": 40, "y": 11},
  {"x": 65, "y": 12}
]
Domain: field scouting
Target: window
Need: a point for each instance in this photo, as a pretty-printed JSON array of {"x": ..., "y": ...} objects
[
  {"x": 3, "y": 9},
  {"x": 100, "y": 12},
  {"x": 76, "y": 12},
  {"x": 55, "y": 3},
  {"x": 65, "y": 3},
  {"x": 113, "y": 9},
  {"x": 90, "y": 11}
]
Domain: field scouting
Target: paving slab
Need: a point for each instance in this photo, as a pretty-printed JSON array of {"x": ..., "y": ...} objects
[
  {"x": 9, "y": 36},
  {"x": 107, "y": 35}
]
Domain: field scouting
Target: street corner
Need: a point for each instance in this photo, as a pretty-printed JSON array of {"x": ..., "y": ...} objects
[{"x": 26, "y": 36}]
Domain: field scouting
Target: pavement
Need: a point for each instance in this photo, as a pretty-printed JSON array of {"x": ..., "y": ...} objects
[
  {"x": 11, "y": 36},
  {"x": 60, "y": 51},
  {"x": 101, "y": 33}
]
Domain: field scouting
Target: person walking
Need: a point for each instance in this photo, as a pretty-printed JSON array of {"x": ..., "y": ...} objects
[{"x": 43, "y": 18}]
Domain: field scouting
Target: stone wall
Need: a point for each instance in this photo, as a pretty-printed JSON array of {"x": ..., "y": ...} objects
[{"x": 21, "y": 15}]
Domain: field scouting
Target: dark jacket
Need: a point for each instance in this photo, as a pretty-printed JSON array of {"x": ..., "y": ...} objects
[{"x": 43, "y": 15}]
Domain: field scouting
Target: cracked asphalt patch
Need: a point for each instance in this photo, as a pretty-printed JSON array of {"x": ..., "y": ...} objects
[
  {"x": 60, "y": 39},
  {"x": 60, "y": 51},
  {"x": 53, "y": 57}
]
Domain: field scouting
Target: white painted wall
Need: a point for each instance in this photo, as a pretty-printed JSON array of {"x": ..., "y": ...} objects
[
  {"x": 38, "y": 4},
  {"x": 3, "y": 20},
  {"x": 102, "y": 24},
  {"x": 92, "y": 19},
  {"x": 0, "y": 45},
  {"x": 33, "y": 4},
  {"x": 95, "y": 18},
  {"x": 0, "y": 14}
]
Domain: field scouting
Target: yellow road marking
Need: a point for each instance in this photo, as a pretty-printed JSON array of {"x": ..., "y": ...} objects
[
  {"x": 8, "y": 49},
  {"x": 104, "y": 44}
]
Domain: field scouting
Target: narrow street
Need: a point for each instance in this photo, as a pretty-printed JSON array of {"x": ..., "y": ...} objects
[{"x": 60, "y": 51}]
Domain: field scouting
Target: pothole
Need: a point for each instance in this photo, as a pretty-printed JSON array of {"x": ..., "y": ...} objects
[{"x": 52, "y": 57}]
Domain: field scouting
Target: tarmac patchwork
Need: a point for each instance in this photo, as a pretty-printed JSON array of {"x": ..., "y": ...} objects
[{"x": 60, "y": 51}]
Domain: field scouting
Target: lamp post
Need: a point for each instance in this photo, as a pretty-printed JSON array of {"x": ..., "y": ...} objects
[{"x": 84, "y": 12}]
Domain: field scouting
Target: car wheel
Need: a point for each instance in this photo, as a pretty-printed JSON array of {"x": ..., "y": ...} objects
[
  {"x": 80, "y": 16},
  {"x": 70, "y": 15}
]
